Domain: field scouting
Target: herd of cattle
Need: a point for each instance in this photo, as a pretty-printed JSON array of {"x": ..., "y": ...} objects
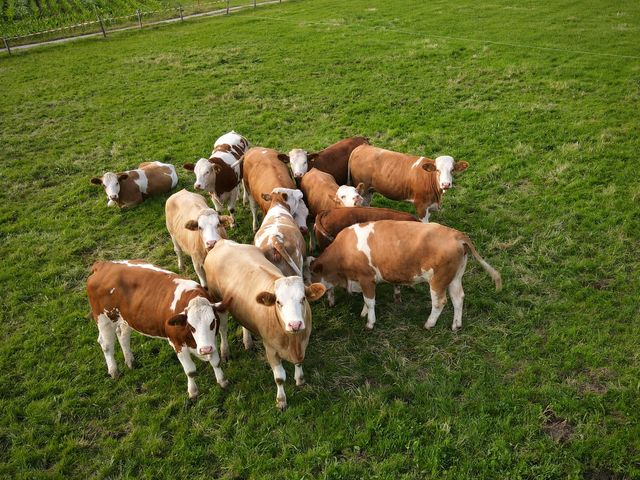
[{"x": 267, "y": 286}]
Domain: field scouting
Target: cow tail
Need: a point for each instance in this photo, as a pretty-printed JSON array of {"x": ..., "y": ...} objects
[
  {"x": 278, "y": 246},
  {"x": 493, "y": 273},
  {"x": 349, "y": 168}
]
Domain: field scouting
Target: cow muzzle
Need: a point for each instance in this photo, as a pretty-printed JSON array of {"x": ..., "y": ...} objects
[
  {"x": 445, "y": 186},
  {"x": 295, "y": 326},
  {"x": 210, "y": 244},
  {"x": 113, "y": 198},
  {"x": 205, "y": 350}
]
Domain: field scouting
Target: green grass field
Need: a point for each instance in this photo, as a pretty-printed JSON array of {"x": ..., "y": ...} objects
[{"x": 541, "y": 98}]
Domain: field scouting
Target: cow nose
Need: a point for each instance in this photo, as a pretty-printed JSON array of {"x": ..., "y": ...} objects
[
  {"x": 206, "y": 350},
  {"x": 446, "y": 186},
  {"x": 298, "y": 175},
  {"x": 113, "y": 197},
  {"x": 304, "y": 230},
  {"x": 197, "y": 186},
  {"x": 359, "y": 200},
  {"x": 295, "y": 326},
  {"x": 210, "y": 244}
]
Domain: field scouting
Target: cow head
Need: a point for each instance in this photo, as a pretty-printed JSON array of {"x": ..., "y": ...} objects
[
  {"x": 298, "y": 160},
  {"x": 446, "y": 166},
  {"x": 111, "y": 183},
  {"x": 290, "y": 299},
  {"x": 201, "y": 320},
  {"x": 211, "y": 226},
  {"x": 206, "y": 172},
  {"x": 297, "y": 207},
  {"x": 350, "y": 196}
]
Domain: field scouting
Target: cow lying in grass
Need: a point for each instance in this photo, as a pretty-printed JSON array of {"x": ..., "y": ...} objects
[{"x": 403, "y": 253}]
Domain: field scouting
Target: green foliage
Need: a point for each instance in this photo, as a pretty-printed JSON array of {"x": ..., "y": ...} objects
[{"x": 541, "y": 98}]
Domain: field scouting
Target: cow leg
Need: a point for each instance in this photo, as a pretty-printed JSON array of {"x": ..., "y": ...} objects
[
  {"x": 423, "y": 213},
  {"x": 217, "y": 371},
  {"x": 246, "y": 339},
  {"x": 253, "y": 205},
  {"x": 457, "y": 298},
  {"x": 299, "y": 375},
  {"x": 233, "y": 198},
  {"x": 279, "y": 375},
  {"x": 178, "y": 250},
  {"x": 124, "y": 337},
  {"x": 197, "y": 266},
  {"x": 222, "y": 330},
  {"x": 217, "y": 204},
  {"x": 190, "y": 370},
  {"x": 107, "y": 340},
  {"x": 369, "y": 308},
  {"x": 312, "y": 239},
  {"x": 331, "y": 296},
  {"x": 438, "y": 300},
  {"x": 396, "y": 294},
  {"x": 245, "y": 198}
]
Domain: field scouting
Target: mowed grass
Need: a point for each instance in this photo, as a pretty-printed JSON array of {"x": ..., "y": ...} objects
[{"x": 541, "y": 98}]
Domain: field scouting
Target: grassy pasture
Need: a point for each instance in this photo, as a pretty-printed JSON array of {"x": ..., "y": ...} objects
[{"x": 541, "y": 98}]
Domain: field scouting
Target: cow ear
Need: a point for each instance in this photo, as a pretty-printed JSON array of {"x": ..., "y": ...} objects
[
  {"x": 266, "y": 197},
  {"x": 122, "y": 176},
  {"x": 460, "y": 166},
  {"x": 217, "y": 168},
  {"x": 191, "y": 225},
  {"x": 283, "y": 157},
  {"x": 189, "y": 166},
  {"x": 334, "y": 198},
  {"x": 314, "y": 291},
  {"x": 312, "y": 156},
  {"x": 265, "y": 298},
  {"x": 429, "y": 166},
  {"x": 360, "y": 188},
  {"x": 178, "y": 320},
  {"x": 226, "y": 220},
  {"x": 222, "y": 306},
  {"x": 96, "y": 181}
]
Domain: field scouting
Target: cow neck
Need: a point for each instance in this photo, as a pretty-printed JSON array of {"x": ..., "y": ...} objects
[
  {"x": 226, "y": 179},
  {"x": 435, "y": 187},
  {"x": 321, "y": 228}
]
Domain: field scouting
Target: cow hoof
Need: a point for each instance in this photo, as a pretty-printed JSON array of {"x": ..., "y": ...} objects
[
  {"x": 428, "y": 327},
  {"x": 193, "y": 396},
  {"x": 132, "y": 364},
  {"x": 300, "y": 382},
  {"x": 368, "y": 327},
  {"x": 454, "y": 329},
  {"x": 282, "y": 405},
  {"x": 115, "y": 374},
  {"x": 224, "y": 383},
  {"x": 397, "y": 299},
  {"x": 224, "y": 356}
]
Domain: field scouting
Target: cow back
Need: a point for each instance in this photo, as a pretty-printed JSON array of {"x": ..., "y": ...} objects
[
  {"x": 334, "y": 159},
  {"x": 263, "y": 171}
]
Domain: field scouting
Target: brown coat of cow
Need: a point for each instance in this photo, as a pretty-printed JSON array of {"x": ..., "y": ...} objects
[
  {"x": 133, "y": 294},
  {"x": 334, "y": 159},
  {"x": 404, "y": 253},
  {"x": 399, "y": 176},
  {"x": 242, "y": 274}
]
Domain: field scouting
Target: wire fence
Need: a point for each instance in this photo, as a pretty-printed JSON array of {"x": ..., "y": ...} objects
[{"x": 103, "y": 25}]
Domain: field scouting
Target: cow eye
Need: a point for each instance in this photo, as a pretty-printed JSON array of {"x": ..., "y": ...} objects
[
  {"x": 193, "y": 330},
  {"x": 213, "y": 325},
  {"x": 279, "y": 303}
]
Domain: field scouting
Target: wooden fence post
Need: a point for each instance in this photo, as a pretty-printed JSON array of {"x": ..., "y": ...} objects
[
  {"x": 254, "y": 3},
  {"x": 227, "y": 7},
  {"x": 181, "y": 15},
  {"x": 139, "y": 17},
  {"x": 104, "y": 32},
  {"x": 6, "y": 45}
]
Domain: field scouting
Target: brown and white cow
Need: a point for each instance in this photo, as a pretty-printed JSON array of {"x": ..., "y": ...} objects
[
  {"x": 265, "y": 171},
  {"x": 403, "y": 253},
  {"x": 266, "y": 303},
  {"x": 418, "y": 180},
  {"x": 333, "y": 160},
  {"x": 221, "y": 173},
  {"x": 126, "y": 189},
  {"x": 194, "y": 228},
  {"x": 279, "y": 237},
  {"x": 321, "y": 192},
  {"x": 135, "y": 295}
]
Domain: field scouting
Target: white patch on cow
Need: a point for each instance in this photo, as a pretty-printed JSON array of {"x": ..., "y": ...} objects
[
  {"x": 362, "y": 236},
  {"x": 146, "y": 266},
  {"x": 353, "y": 286},
  {"x": 444, "y": 166},
  {"x": 172, "y": 172},
  {"x": 111, "y": 185},
  {"x": 297, "y": 207},
  {"x": 112, "y": 290},
  {"x": 142, "y": 181},
  {"x": 272, "y": 229},
  {"x": 424, "y": 277},
  {"x": 299, "y": 162},
  {"x": 182, "y": 285},
  {"x": 229, "y": 138},
  {"x": 209, "y": 227},
  {"x": 416, "y": 164},
  {"x": 200, "y": 316},
  {"x": 290, "y": 303},
  {"x": 226, "y": 157},
  {"x": 349, "y": 196}
]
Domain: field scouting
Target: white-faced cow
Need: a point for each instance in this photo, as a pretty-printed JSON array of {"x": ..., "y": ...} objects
[
  {"x": 333, "y": 160},
  {"x": 135, "y": 295},
  {"x": 279, "y": 236},
  {"x": 266, "y": 303},
  {"x": 418, "y": 180},
  {"x": 194, "y": 228},
  {"x": 126, "y": 189},
  {"x": 321, "y": 192},
  {"x": 221, "y": 173},
  {"x": 402, "y": 253},
  {"x": 265, "y": 171}
]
